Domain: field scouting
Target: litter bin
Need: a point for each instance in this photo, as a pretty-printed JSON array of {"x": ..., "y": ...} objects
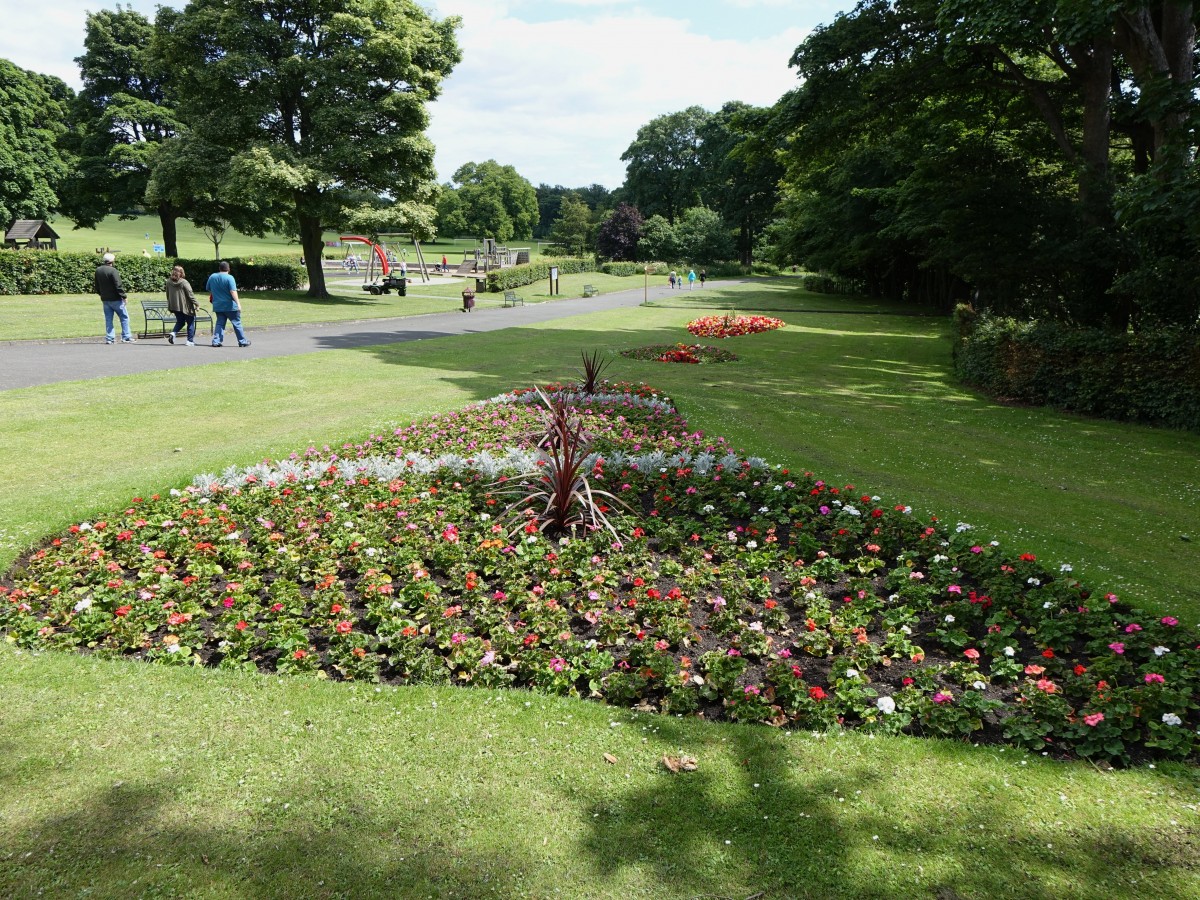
[
  {"x": 468, "y": 296},
  {"x": 402, "y": 287}
]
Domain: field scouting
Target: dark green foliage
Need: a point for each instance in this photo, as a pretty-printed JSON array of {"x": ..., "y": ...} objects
[
  {"x": 519, "y": 276},
  {"x": 1151, "y": 376},
  {"x": 618, "y": 236},
  {"x": 829, "y": 284},
  {"x": 32, "y": 169},
  {"x": 622, "y": 269},
  {"x": 48, "y": 272}
]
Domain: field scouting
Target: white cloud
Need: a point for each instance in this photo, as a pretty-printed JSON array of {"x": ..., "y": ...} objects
[{"x": 561, "y": 100}]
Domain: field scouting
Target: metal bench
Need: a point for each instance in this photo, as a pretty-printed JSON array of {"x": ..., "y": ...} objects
[
  {"x": 156, "y": 311},
  {"x": 511, "y": 299},
  {"x": 590, "y": 290}
]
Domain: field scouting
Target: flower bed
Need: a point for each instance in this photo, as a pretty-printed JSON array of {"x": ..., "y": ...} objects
[
  {"x": 694, "y": 354},
  {"x": 727, "y": 587},
  {"x": 732, "y": 326}
]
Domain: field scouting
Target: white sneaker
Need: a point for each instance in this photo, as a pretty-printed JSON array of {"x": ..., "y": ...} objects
[{"x": 191, "y": 343}]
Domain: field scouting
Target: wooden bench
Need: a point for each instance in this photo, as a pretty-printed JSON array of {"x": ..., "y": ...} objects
[
  {"x": 590, "y": 290},
  {"x": 511, "y": 299},
  {"x": 156, "y": 311}
]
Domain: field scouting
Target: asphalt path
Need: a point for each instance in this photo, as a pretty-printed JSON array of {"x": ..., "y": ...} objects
[{"x": 32, "y": 363}]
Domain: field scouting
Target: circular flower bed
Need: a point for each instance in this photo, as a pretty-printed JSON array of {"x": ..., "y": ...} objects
[
  {"x": 732, "y": 326},
  {"x": 712, "y": 583},
  {"x": 695, "y": 354}
]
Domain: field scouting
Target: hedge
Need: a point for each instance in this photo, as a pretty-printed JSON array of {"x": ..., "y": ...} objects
[
  {"x": 1150, "y": 377},
  {"x": 829, "y": 284},
  {"x": 54, "y": 272},
  {"x": 519, "y": 276}
]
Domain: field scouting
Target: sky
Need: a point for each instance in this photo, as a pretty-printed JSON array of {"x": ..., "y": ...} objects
[{"x": 555, "y": 88}]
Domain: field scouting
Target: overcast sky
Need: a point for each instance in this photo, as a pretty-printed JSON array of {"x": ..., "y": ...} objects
[{"x": 555, "y": 88}]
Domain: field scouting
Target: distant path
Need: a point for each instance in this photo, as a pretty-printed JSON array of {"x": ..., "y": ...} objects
[{"x": 32, "y": 363}]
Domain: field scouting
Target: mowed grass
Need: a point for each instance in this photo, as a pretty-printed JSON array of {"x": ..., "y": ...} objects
[{"x": 128, "y": 780}]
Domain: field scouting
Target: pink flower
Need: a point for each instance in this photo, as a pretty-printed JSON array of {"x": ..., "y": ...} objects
[
  {"x": 1047, "y": 686},
  {"x": 971, "y": 653},
  {"x": 941, "y": 697},
  {"x": 1154, "y": 678},
  {"x": 558, "y": 664},
  {"x": 954, "y": 589},
  {"x": 1117, "y": 647},
  {"x": 227, "y": 603},
  {"x": 1093, "y": 720},
  {"x": 1132, "y": 627},
  {"x": 1170, "y": 621}
]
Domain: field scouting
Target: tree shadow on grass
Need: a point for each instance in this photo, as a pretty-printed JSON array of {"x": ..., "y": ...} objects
[
  {"x": 788, "y": 826},
  {"x": 130, "y": 841}
]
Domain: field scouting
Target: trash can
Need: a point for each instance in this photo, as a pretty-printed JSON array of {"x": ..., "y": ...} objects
[
  {"x": 402, "y": 287},
  {"x": 468, "y": 300}
]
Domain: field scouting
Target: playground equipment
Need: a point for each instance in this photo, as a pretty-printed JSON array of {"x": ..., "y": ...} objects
[
  {"x": 380, "y": 277},
  {"x": 489, "y": 256}
]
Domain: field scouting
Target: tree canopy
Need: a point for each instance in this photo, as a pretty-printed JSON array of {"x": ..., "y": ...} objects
[
  {"x": 312, "y": 101},
  {"x": 33, "y": 108},
  {"x": 619, "y": 234},
  {"x": 663, "y": 175},
  {"x": 488, "y": 200}
]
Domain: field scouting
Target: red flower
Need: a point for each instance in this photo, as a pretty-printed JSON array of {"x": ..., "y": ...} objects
[
  {"x": 343, "y": 627},
  {"x": 122, "y": 611},
  {"x": 816, "y": 694}
]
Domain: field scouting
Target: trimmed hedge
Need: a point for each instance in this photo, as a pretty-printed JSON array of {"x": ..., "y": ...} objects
[
  {"x": 623, "y": 269},
  {"x": 54, "y": 272},
  {"x": 1151, "y": 377},
  {"x": 519, "y": 276}
]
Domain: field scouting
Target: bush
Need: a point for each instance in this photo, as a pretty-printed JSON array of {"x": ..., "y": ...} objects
[
  {"x": 1151, "y": 377},
  {"x": 519, "y": 276},
  {"x": 829, "y": 284},
  {"x": 54, "y": 272},
  {"x": 622, "y": 269}
]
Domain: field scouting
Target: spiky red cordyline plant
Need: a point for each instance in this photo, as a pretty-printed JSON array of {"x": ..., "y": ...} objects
[
  {"x": 561, "y": 487},
  {"x": 593, "y": 365}
]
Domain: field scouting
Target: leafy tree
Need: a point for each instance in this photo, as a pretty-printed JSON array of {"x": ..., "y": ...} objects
[
  {"x": 596, "y": 196},
  {"x": 664, "y": 175},
  {"x": 657, "y": 242},
  {"x": 312, "y": 100},
  {"x": 120, "y": 121},
  {"x": 488, "y": 200},
  {"x": 702, "y": 237},
  {"x": 32, "y": 167},
  {"x": 619, "y": 234},
  {"x": 573, "y": 227}
]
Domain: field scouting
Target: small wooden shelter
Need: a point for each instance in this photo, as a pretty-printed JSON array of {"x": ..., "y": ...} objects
[{"x": 31, "y": 234}]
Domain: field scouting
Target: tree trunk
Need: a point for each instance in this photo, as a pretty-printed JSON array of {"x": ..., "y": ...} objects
[
  {"x": 312, "y": 241},
  {"x": 166, "y": 216}
]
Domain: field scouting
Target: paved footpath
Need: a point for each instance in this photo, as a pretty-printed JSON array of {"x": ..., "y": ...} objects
[{"x": 30, "y": 363}]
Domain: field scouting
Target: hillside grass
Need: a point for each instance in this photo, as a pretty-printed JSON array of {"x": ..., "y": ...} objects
[{"x": 129, "y": 780}]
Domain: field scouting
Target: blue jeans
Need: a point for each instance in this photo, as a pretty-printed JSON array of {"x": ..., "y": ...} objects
[
  {"x": 182, "y": 319},
  {"x": 234, "y": 318},
  {"x": 116, "y": 308}
]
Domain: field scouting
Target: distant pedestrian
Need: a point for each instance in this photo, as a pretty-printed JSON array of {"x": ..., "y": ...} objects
[
  {"x": 703, "y": 277},
  {"x": 223, "y": 294},
  {"x": 671, "y": 280},
  {"x": 112, "y": 294},
  {"x": 181, "y": 301},
  {"x": 445, "y": 264},
  {"x": 691, "y": 278}
]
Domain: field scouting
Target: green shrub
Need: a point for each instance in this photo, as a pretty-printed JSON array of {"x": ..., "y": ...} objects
[
  {"x": 830, "y": 284},
  {"x": 519, "y": 276},
  {"x": 623, "y": 269},
  {"x": 54, "y": 272},
  {"x": 1151, "y": 377}
]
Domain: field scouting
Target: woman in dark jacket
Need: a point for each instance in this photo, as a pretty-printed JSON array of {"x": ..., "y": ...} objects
[{"x": 182, "y": 302}]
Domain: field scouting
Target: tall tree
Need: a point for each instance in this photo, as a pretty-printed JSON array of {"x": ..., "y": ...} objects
[
  {"x": 663, "y": 175},
  {"x": 619, "y": 234},
  {"x": 120, "y": 119},
  {"x": 32, "y": 166},
  {"x": 488, "y": 200},
  {"x": 312, "y": 99},
  {"x": 573, "y": 228}
]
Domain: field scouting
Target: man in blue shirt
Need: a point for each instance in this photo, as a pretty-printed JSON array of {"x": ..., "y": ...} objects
[{"x": 223, "y": 292}]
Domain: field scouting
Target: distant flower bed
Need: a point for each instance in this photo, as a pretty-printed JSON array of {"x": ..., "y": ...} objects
[
  {"x": 732, "y": 326},
  {"x": 695, "y": 354},
  {"x": 706, "y": 582}
]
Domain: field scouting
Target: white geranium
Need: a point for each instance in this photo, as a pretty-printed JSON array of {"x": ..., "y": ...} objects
[
  {"x": 886, "y": 705},
  {"x": 1171, "y": 719}
]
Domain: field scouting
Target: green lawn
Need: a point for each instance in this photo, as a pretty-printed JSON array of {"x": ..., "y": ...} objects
[{"x": 125, "y": 780}]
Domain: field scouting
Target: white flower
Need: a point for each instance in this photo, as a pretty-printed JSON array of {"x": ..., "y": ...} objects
[
  {"x": 940, "y": 558},
  {"x": 962, "y": 526},
  {"x": 979, "y": 685},
  {"x": 778, "y": 487},
  {"x": 173, "y": 648},
  {"x": 233, "y": 536},
  {"x": 1160, "y": 650},
  {"x": 764, "y": 509},
  {"x": 993, "y": 543},
  {"x": 1066, "y": 567},
  {"x": 904, "y": 629},
  {"x": 1010, "y": 652},
  {"x": 852, "y": 673},
  {"x": 756, "y": 626},
  {"x": 1034, "y": 581},
  {"x": 852, "y": 511},
  {"x": 886, "y": 705},
  {"x": 1047, "y": 605},
  {"x": 950, "y": 619},
  {"x": 85, "y": 526},
  {"x": 1171, "y": 719},
  {"x": 907, "y": 510},
  {"x": 751, "y": 545},
  {"x": 83, "y": 604},
  {"x": 707, "y": 508}
]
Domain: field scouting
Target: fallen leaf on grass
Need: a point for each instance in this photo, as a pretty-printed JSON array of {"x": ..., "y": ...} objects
[
  {"x": 610, "y": 759},
  {"x": 679, "y": 764}
]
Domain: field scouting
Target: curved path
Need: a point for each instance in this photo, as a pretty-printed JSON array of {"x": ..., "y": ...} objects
[{"x": 31, "y": 363}]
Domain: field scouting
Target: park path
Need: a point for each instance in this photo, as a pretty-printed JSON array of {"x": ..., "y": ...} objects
[{"x": 32, "y": 363}]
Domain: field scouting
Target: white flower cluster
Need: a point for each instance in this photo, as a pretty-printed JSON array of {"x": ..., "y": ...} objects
[{"x": 579, "y": 398}]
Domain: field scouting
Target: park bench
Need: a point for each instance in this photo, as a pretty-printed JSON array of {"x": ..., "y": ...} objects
[
  {"x": 590, "y": 290},
  {"x": 156, "y": 311},
  {"x": 511, "y": 299}
]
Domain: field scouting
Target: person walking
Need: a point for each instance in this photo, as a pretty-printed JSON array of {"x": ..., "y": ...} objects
[
  {"x": 671, "y": 280},
  {"x": 112, "y": 295},
  {"x": 223, "y": 293},
  {"x": 445, "y": 264},
  {"x": 691, "y": 278},
  {"x": 182, "y": 301},
  {"x": 703, "y": 276}
]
